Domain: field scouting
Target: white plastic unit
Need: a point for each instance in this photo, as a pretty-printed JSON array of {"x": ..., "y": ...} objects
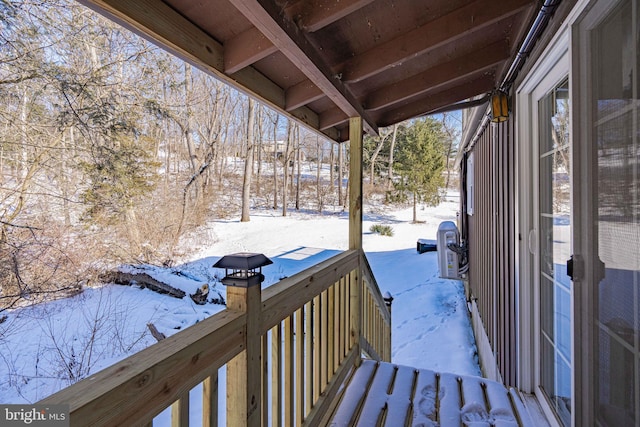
[{"x": 448, "y": 262}]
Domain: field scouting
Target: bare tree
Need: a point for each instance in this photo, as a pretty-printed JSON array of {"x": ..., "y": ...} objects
[
  {"x": 248, "y": 162},
  {"x": 391, "y": 151},
  {"x": 275, "y": 119},
  {"x": 341, "y": 200}
]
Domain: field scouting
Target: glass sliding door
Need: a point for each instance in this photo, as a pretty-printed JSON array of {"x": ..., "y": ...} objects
[
  {"x": 610, "y": 40},
  {"x": 554, "y": 222}
]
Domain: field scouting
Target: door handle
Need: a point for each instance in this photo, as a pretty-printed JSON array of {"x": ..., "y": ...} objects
[{"x": 570, "y": 268}]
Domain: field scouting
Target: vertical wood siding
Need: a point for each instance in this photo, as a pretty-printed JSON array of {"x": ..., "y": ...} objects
[{"x": 492, "y": 244}]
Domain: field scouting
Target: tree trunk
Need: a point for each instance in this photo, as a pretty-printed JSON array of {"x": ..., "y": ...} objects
[
  {"x": 24, "y": 143},
  {"x": 188, "y": 129},
  {"x": 144, "y": 280},
  {"x": 374, "y": 156},
  {"x": 275, "y": 162},
  {"x": 65, "y": 177},
  {"x": 131, "y": 220},
  {"x": 318, "y": 168},
  {"x": 248, "y": 164},
  {"x": 259, "y": 152},
  {"x": 285, "y": 168},
  {"x": 415, "y": 208},
  {"x": 298, "y": 172},
  {"x": 340, "y": 172},
  {"x": 332, "y": 160},
  {"x": 391, "y": 149}
]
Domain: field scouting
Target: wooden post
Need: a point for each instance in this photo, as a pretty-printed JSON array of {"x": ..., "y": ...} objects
[
  {"x": 355, "y": 183},
  {"x": 355, "y": 227},
  {"x": 243, "y": 371}
]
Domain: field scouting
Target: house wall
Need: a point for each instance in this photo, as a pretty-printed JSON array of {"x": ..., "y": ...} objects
[
  {"x": 491, "y": 230},
  {"x": 491, "y": 253}
]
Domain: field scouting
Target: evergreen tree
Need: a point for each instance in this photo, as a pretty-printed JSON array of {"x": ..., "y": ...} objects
[{"x": 419, "y": 163}]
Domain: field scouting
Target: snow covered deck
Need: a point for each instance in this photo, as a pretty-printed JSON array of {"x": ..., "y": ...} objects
[{"x": 384, "y": 394}]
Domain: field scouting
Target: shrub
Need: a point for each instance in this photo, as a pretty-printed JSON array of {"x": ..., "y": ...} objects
[{"x": 383, "y": 230}]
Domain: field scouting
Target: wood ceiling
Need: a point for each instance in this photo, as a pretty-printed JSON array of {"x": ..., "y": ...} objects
[{"x": 323, "y": 61}]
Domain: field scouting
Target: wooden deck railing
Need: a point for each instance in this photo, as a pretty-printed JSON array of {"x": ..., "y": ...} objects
[{"x": 287, "y": 349}]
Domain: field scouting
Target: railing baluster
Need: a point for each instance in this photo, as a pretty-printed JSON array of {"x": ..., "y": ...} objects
[
  {"x": 210, "y": 401},
  {"x": 180, "y": 411},
  {"x": 330, "y": 331},
  {"x": 308, "y": 338},
  {"x": 265, "y": 379},
  {"x": 344, "y": 315},
  {"x": 355, "y": 313},
  {"x": 316, "y": 348},
  {"x": 323, "y": 340},
  {"x": 299, "y": 396},
  {"x": 276, "y": 375},
  {"x": 337, "y": 327},
  {"x": 372, "y": 319},
  {"x": 289, "y": 388}
]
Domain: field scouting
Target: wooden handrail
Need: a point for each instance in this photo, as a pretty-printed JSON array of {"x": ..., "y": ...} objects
[
  {"x": 310, "y": 330},
  {"x": 283, "y": 298},
  {"x": 141, "y": 386}
]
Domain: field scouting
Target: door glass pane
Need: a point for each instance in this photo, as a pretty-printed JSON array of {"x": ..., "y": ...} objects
[
  {"x": 555, "y": 249},
  {"x": 616, "y": 227}
]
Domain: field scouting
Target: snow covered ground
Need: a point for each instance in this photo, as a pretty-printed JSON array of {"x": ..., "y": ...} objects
[{"x": 45, "y": 348}]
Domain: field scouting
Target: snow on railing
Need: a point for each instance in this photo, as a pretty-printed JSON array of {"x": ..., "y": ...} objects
[{"x": 288, "y": 350}]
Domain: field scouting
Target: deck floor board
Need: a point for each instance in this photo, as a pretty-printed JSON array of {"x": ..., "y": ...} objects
[{"x": 384, "y": 394}]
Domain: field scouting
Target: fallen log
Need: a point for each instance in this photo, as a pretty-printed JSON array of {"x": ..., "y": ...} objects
[{"x": 144, "y": 280}]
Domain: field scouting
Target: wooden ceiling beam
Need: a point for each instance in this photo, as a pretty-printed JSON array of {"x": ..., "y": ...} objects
[
  {"x": 313, "y": 15},
  {"x": 163, "y": 26},
  {"x": 302, "y": 94},
  {"x": 438, "y": 100},
  {"x": 266, "y": 16},
  {"x": 245, "y": 49},
  {"x": 251, "y": 46},
  {"x": 470, "y": 18},
  {"x": 440, "y": 75},
  {"x": 332, "y": 117}
]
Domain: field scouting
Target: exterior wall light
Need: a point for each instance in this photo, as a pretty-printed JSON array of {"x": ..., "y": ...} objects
[
  {"x": 499, "y": 106},
  {"x": 243, "y": 269}
]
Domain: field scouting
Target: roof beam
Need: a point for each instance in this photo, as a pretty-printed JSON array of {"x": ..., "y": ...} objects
[
  {"x": 462, "y": 21},
  {"x": 332, "y": 117},
  {"x": 251, "y": 46},
  {"x": 245, "y": 49},
  {"x": 438, "y": 100},
  {"x": 302, "y": 94},
  {"x": 440, "y": 75},
  {"x": 314, "y": 15},
  {"x": 163, "y": 26},
  {"x": 266, "y": 16}
]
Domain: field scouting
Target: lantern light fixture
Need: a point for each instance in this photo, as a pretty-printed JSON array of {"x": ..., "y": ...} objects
[
  {"x": 246, "y": 269},
  {"x": 499, "y": 106}
]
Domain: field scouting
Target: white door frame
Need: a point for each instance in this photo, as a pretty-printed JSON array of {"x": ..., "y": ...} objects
[
  {"x": 584, "y": 365},
  {"x": 547, "y": 75}
]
